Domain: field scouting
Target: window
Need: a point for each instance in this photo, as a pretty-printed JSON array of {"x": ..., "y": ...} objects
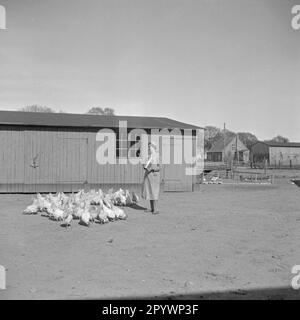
[
  {"x": 128, "y": 149},
  {"x": 135, "y": 148}
]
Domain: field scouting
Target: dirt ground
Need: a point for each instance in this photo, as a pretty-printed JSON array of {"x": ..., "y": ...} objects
[{"x": 224, "y": 241}]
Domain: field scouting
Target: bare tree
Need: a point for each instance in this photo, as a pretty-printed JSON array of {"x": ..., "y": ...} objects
[
  {"x": 279, "y": 139},
  {"x": 101, "y": 111},
  {"x": 247, "y": 138},
  {"x": 213, "y": 134},
  {"x": 37, "y": 108}
]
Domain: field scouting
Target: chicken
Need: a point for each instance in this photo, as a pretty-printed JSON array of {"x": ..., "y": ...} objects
[
  {"x": 96, "y": 198},
  {"x": 47, "y": 206},
  {"x": 44, "y": 205},
  {"x": 102, "y": 216},
  {"x": 135, "y": 198},
  {"x": 100, "y": 193},
  {"x": 85, "y": 216},
  {"x": 78, "y": 196},
  {"x": 119, "y": 198},
  {"x": 93, "y": 212},
  {"x": 108, "y": 212},
  {"x": 119, "y": 213},
  {"x": 68, "y": 209},
  {"x": 107, "y": 202},
  {"x": 54, "y": 200},
  {"x": 128, "y": 198},
  {"x": 56, "y": 213},
  {"x": 86, "y": 206},
  {"x": 31, "y": 209},
  {"x": 40, "y": 201},
  {"x": 64, "y": 199},
  {"x": 78, "y": 210},
  {"x": 34, "y": 208},
  {"x": 68, "y": 220}
]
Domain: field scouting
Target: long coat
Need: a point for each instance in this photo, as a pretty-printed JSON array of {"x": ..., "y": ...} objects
[{"x": 151, "y": 183}]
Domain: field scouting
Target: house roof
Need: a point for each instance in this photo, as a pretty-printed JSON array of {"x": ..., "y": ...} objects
[
  {"x": 87, "y": 120},
  {"x": 280, "y": 144},
  {"x": 218, "y": 146}
]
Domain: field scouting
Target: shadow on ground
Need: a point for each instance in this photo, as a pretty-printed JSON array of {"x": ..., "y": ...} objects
[
  {"x": 137, "y": 207},
  {"x": 284, "y": 293}
]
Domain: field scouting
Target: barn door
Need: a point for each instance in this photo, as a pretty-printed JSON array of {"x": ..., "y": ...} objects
[
  {"x": 72, "y": 155},
  {"x": 174, "y": 175},
  {"x": 11, "y": 159}
]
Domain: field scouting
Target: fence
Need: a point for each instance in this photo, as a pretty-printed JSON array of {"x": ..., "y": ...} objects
[{"x": 252, "y": 177}]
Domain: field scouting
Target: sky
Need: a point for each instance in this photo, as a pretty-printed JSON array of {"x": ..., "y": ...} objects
[{"x": 204, "y": 62}]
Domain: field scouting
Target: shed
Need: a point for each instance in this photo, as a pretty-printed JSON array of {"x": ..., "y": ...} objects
[
  {"x": 50, "y": 152},
  {"x": 277, "y": 154}
]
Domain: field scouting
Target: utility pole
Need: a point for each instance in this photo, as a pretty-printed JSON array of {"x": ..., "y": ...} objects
[
  {"x": 236, "y": 149},
  {"x": 224, "y": 144}
]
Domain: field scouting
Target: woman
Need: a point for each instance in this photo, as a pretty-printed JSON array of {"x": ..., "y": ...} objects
[{"x": 151, "y": 182}]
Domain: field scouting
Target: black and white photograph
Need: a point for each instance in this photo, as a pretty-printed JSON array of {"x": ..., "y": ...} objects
[{"x": 149, "y": 150}]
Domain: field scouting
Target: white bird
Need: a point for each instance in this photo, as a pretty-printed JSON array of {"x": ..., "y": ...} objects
[
  {"x": 102, "y": 216},
  {"x": 78, "y": 210},
  {"x": 107, "y": 202},
  {"x": 119, "y": 198},
  {"x": 56, "y": 214},
  {"x": 128, "y": 198},
  {"x": 40, "y": 201},
  {"x": 68, "y": 220},
  {"x": 96, "y": 197},
  {"x": 135, "y": 198},
  {"x": 119, "y": 213},
  {"x": 109, "y": 213},
  {"x": 85, "y": 218},
  {"x": 93, "y": 212},
  {"x": 31, "y": 209},
  {"x": 86, "y": 206}
]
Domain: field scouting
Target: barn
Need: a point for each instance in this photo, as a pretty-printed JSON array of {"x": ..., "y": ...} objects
[
  {"x": 51, "y": 152},
  {"x": 277, "y": 154},
  {"x": 225, "y": 150}
]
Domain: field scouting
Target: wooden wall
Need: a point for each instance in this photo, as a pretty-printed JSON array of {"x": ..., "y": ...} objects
[
  {"x": 45, "y": 159},
  {"x": 12, "y": 166},
  {"x": 259, "y": 152},
  {"x": 285, "y": 156}
]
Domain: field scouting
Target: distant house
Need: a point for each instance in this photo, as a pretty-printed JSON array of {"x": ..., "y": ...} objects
[
  {"x": 225, "y": 150},
  {"x": 276, "y": 154}
]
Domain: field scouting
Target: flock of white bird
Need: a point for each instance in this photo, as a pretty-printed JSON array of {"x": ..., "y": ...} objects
[
  {"x": 213, "y": 180},
  {"x": 84, "y": 206}
]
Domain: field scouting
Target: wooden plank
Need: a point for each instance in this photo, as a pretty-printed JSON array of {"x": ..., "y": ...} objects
[{"x": 3, "y": 157}]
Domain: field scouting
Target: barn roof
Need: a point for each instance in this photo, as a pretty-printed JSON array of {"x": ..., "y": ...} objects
[
  {"x": 84, "y": 120},
  {"x": 280, "y": 144},
  {"x": 218, "y": 146}
]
